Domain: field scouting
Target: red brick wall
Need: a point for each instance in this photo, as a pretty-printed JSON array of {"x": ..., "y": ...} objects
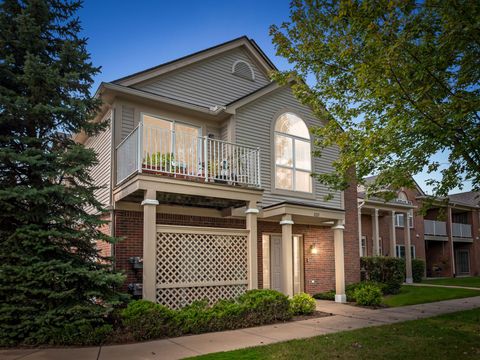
[
  {"x": 438, "y": 255},
  {"x": 319, "y": 267},
  {"x": 105, "y": 247},
  {"x": 129, "y": 226},
  {"x": 351, "y": 236}
]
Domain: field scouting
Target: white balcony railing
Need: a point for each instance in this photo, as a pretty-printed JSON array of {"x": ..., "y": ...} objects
[
  {"x": 461, "y": 230},
  {"x": 435, "y": 228},
  {"x": 157, "y": 150}
]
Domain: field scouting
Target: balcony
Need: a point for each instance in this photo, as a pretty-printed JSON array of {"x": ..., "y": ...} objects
[
  {"x": 159, "y": 151},
  {"x": 435, "y": 230},
  {"x": 461, "y": 230}
]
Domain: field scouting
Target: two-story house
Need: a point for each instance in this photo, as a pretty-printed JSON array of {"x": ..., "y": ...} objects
[
  {"x": 206, "y": 171},
  {"x": 446, "y": 237}
]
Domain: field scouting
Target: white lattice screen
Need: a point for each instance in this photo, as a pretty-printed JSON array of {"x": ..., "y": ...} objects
[{"x": 195, "y": 265}]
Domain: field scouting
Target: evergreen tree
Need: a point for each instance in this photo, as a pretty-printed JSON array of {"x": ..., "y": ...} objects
[{"x": 53, "y": 288}]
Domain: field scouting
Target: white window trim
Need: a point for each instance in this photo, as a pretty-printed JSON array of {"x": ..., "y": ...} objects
[
  {"x": 410, "y": 221},
  {"x": 398, "y": 252},
  {"x": 363, "y": 246},
  {"x": 293, "y": 167}
]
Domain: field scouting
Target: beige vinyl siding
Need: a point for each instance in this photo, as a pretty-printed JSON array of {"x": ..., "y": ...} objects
[
  {"x": 128, "y": 120},
  {"x": 209, "y": 82},
  {"x": 254, "y": 127},
  {"x": 100, "y": 173}
]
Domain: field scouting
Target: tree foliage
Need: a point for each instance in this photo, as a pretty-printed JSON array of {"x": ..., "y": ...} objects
[
  {"x": 399, "y": 82},
  {"x": 51, "y": 280}
]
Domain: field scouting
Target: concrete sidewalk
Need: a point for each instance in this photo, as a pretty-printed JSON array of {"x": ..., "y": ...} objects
[{"x": 344, "y": 317}]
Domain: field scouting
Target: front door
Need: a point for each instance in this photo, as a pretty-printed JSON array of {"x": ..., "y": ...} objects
[
  {"x": 276, "y": 262},
  {"x": 463, "y": 262}
]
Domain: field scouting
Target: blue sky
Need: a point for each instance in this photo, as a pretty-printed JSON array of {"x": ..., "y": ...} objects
[{"x": 129, "y": 36}]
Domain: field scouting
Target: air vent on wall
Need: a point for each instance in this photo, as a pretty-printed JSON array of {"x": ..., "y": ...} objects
[{"x": 243, "y": 69}]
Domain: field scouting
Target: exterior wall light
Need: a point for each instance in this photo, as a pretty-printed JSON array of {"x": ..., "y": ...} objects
[{"x": 313, "y": 250}]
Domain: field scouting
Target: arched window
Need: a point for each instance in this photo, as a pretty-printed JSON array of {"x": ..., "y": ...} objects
[
  {"x": 402, "y": 196},
  {"x": 293, "y": 161}
]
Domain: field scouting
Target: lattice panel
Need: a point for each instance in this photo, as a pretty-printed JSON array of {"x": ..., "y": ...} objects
[
  {"x": 179, "y": 297},
  {"x": 194, "y": 266}
]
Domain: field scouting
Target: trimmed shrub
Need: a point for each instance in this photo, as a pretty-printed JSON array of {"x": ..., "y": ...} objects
[
  {"x": 302, "y": 304},
  {"x": 265, "y": 306},
  {"x": 386, "y": 270},
  {"x": 418, "y": 270},
  {"x": 147, "y": 320},
  {"x": 328, "y": 295},
  {"x": 368, "y": 295}
]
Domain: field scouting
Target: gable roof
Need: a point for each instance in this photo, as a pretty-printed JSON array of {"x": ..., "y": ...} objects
[
  {"x": 471, "y": 198},
  {"x": 265, "y": 63}
]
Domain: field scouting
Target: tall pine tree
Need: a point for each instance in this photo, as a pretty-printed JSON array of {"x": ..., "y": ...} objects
[{"x": 53, "y": 289}]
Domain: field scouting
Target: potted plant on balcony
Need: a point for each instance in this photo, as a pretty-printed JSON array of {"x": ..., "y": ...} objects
[{"x": 159, "y": 162}]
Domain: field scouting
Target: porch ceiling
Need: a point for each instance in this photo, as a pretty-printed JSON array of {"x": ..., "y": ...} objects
[{"x": 186, "y": 200}]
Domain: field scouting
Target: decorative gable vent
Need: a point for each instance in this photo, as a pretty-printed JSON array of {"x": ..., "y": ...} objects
[{"x": 243, "y": 69}]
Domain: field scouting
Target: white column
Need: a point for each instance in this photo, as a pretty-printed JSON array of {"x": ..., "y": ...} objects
[
  {"x": 251, "y": 222},
  {"x": 393, "y": 235},
  {"x": 287, "y": 254},
  {"x": 450, "y": 240},
  {"x": 149, "y": 245},
  {"x": 408, "y": 251},
  {"x": 339, "y": 262},
  {"x": 375, "y": 233},
  {"x": 360, "y": 232}
]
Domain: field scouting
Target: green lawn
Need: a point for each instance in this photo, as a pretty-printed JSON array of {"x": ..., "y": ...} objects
[
  {"x": 473, "y": 281},
  {"x": 410, "y": 295},
  {"x": 454, "y": 336}
]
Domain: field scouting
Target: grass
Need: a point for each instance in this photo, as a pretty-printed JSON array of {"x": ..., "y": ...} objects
[
  {"x": 410, "y": 295},
  {"x": 453, "y": 336},
  {"x": 473, "y": 281}
]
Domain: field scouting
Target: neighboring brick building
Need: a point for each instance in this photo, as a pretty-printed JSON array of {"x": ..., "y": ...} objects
[
  {"x": 206, "y": 171},
  {"x": 444, "y": 230}
]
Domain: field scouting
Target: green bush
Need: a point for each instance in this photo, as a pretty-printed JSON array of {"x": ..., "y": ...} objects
[
  {"x": 265, "y": 306},
  {"x": 386, "y": 270},
  {"x": 82, "y": 335},
  {"x": 418, "y": 270},
  {"x": 147, "y": 320},
  {"x": 327, "y": 295},
  {"x": 350, "y": 289},
  {"x": 368, "y": 295},
  {"x": 302, "y": 304}
]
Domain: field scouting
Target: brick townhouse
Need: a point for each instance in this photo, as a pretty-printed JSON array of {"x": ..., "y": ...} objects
[
  {"x": 446, "y": 237},
  {"x": 205, "y": 169}
]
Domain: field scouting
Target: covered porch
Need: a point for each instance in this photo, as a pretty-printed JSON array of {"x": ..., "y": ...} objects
[
  {"x": 295, "y": 241},
  {"x": 185, "y": 259},
  {"x": 378, "y": 215}
]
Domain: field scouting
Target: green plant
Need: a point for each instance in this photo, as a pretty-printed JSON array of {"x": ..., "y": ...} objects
[
  {"x": 418, "y": 270},
  {"x": 147, "y": 320},
  {"x": 81, "y": 334},
  {"x": 265, "y": 306},
  {"x": 327, "y": 295},
  {"x": 368, "y": 295},
  {"x": 164, "y": 161},
  {"x": 351, "y": 288},
  {"x": 386, "y": 270},
  {"x": 302, "y": 304}
]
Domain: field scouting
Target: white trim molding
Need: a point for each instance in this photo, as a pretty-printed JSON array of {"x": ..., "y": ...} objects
[
  {"x": 286, "y": 222},
  {"x": 338, "y": 227},
  {"x": 150, "y": 202},
  {"x": 252, "y": 211}
]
